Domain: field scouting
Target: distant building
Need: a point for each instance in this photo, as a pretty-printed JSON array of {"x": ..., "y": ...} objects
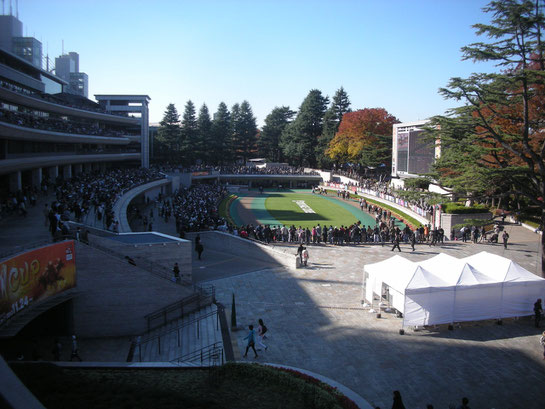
[
  {"x": 12, "y": 40},
  {"x": 67, "y": 68},
  {"x": 412, "y": 153},
  {"x": 10, "y": 27}
]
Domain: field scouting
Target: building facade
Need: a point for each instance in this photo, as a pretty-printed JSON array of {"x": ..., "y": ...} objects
[{"x": 412, "y": 152}]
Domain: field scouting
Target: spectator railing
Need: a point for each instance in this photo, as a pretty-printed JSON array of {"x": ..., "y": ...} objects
[
  {"x": 212, "y": 354},
  {"x": 202, "y": 297}
]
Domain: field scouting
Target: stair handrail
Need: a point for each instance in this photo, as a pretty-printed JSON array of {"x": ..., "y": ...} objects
[
  {"x": 201, "y": 296},
  {"x": 149, "y": 338},
  {"x": 140, "y": 341},
  {"x": 204, "y": 353}
]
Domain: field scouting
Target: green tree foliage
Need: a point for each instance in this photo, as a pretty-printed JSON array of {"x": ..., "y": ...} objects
[
  {"x": 497, "y": 136},
  {"x": 245, "y": 132},
  {"x": 205, "y": 138},
  {"x": 168, "y": 134},
  {"x": 221, "y": 133},
  {"x": 340, "y": 105},
  {"x": 190, "y": 143},
  {"x": 269, "y": 141},
  {"x": 232, "y": 150},
  {"x": 300, "y": 137}
]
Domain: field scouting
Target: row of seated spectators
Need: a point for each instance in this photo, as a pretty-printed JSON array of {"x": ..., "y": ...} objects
[
  {"x": 55, "y": 100},
  {"x": 52, "y": 124}
]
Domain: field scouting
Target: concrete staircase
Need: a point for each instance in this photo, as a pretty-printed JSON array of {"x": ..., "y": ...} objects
[{"x": 182, "y": 339}]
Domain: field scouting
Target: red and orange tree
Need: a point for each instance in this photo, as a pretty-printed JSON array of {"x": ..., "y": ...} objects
[{"x": 364, "y": 137}]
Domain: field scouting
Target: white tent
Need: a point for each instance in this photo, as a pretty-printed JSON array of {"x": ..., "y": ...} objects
[{"x": 445, "y": 289}]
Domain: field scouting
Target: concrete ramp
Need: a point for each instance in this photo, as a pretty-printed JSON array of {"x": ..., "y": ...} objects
[{"x": 226, "y": 255}]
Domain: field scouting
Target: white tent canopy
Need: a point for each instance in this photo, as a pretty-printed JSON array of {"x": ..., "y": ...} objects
[{"x": 444, "y": 289}]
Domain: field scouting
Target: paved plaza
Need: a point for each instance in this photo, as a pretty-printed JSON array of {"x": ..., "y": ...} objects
[{"x": 317, "y": 322}]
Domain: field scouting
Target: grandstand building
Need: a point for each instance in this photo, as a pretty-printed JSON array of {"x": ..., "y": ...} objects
[{"x": 46, "y": 133}]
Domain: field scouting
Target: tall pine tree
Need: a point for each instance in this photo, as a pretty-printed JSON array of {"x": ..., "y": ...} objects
[
  {"x": 233, "y": 148},
  {"x": 168, "y": 134},
  {"x": 204, "y": 131},
  {"x": 299, "y": 139},
  {"x": 190, "y": 144},
  {"x": 500, "y": 127},
  {"x": 340, "y": 105},
  {"x": 221, "y": 132},
  {"x": 269, "y": 141},
  {"x": 246, "y": 137}
]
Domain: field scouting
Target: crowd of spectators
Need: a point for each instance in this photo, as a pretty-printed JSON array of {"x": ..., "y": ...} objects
[
  {"x": 53, "y": 124},
  {"x": 56, "y": 100},
  {"x": 380, "y": 187},
  {"x": 239, "y": 170},
  {"x": 98, "y": 191},
  {"x": 195, "y": 208},
  {"x": 274, "y": 170},
  {"x": 19, "y": 202}
]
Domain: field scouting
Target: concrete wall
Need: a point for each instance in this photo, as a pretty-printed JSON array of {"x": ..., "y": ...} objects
[
  {"x": 226, "y": 242},
  {"x": 159, "y": 256},
  {"x": 449, "y": 220}
]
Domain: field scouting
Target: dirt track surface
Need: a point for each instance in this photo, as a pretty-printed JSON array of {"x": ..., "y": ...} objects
[{"x": 244, "y": 209}]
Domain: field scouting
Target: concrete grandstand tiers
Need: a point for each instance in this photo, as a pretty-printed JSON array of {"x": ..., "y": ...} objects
[
  {"x": 131, "y": 104},
  {"x": 46, "y": 133}
]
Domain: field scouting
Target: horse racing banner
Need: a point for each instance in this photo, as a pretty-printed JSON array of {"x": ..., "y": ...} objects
[{"x": 35, "y": 275}]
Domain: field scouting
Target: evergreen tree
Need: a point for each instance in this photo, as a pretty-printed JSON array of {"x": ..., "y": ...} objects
[
  {"x": 498, "y": 133},
  {"x": 221, "y": 133},
  {"x": 168, "y": 134},
  {"x": 189, "y": 130},
  {"x": 269, "y": 141},
  {"x": 205, "y": 138},
  {"x": 233, "y": 150},
  {"x": 332, "y": 119},
  {"x": 299, "y": 139},
  {"x": 246, "y": 135}
]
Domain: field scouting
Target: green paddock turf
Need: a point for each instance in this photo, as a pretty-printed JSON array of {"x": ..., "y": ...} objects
[{"x": 276, "y": 208}]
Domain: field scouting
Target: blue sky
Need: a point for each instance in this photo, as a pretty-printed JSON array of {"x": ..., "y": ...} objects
[{"x": 393, "y": 54}]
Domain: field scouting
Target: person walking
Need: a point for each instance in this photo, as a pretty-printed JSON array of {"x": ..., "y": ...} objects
[
  {"x": 505, "y": 237},
  {"x": 261, "y": 330},
  {"x": 398, "y": 402},
  {"x": 542, "y": 342},
  {"x": 538, "y": 310},
  {"x": 413, "y": 240},
  {"x": 198, "y": 245},
  {"x": 305, "y": 256},
  {"x": 300, "y": 252},
  {"x": 396, "y": 242},
  {"x": 251, "y": 341},
  {"x": 75, "y": 352},
  {"x": 176, "y": 272},
  {"x": 465, "y": 404}
]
